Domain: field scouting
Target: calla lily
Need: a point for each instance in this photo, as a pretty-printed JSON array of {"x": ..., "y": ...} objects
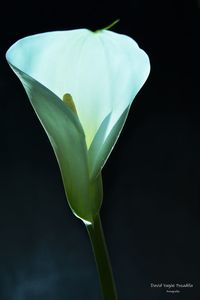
[{"x": 81, "y": 85}]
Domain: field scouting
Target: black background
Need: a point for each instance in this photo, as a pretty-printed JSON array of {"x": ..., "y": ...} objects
[{"x": 150, "y": 211}]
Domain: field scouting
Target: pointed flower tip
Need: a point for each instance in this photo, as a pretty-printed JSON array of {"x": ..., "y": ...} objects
[{"x": 107, "y": 27}]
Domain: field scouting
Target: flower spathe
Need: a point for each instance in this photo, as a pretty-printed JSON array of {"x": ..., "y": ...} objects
[{"x": 81, "y": 85}]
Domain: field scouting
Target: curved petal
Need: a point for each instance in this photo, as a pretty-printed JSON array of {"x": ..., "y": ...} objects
[
  {"x": 99, "y": 152},
  {"x": 103, "y": 71},
  {"x": 128, "y": 68},
  {"x": 68, "y": 141}
]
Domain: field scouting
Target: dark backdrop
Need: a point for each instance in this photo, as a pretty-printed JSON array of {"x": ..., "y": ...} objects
[{"x": 151, "y": 210}]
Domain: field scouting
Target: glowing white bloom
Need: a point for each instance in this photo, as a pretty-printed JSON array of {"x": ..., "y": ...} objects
[{"x": 81, "y": 85}]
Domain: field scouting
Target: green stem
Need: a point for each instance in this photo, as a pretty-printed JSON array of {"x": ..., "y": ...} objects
[
  {"x": 100, "y": 251},
  {"x": 108, "y": 27}
]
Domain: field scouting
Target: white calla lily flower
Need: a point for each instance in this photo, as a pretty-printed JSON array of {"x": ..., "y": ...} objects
[{"x": 81, "y": 85}]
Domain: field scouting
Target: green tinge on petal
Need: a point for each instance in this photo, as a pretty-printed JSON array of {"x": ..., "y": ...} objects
[
  {"x": 68, "y": 141},
  {"x": 99, "y": 153},
  {"x": 86, "y": 65}
]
